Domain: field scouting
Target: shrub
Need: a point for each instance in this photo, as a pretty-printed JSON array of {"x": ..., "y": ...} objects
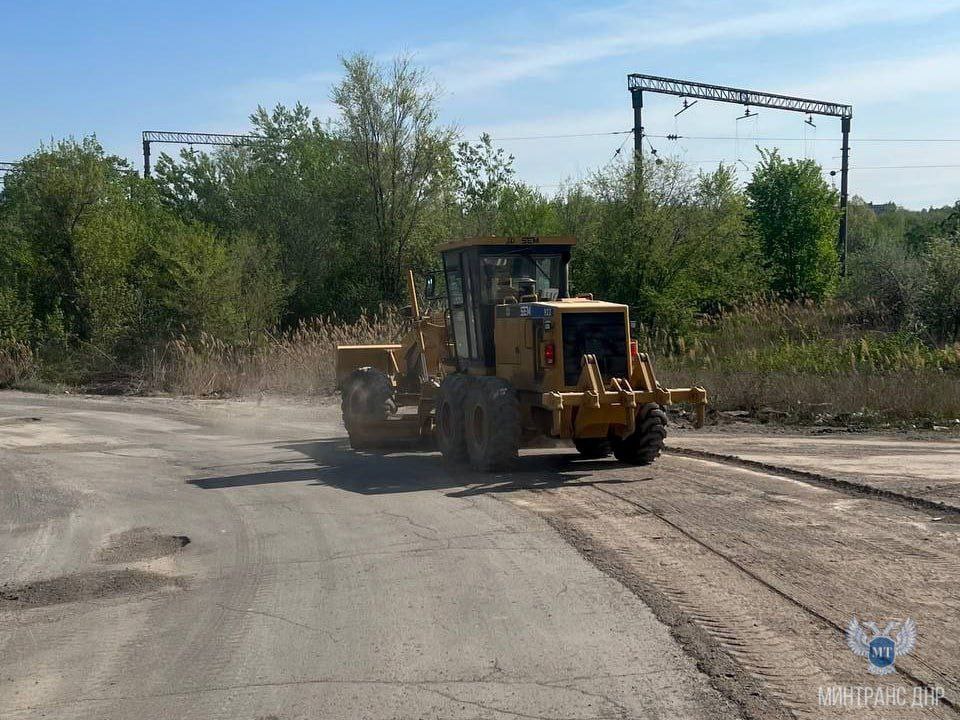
[
  {"x": 793, "y": 212},
  {"x": 940, "y": 291}
]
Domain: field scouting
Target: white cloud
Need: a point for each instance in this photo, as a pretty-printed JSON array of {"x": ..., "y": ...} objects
[
  {"x": 889, "y": 79},
  {"x": 598, "y": 34}
]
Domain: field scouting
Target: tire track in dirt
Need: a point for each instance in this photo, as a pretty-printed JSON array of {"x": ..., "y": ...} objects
[
  {"x": 648, "y": 559},
  {"x": 771, "y": 569},
  {"x": 893, "y": 562},
  {"x": 213, "y": 643},
  {"x": 806, "y": 602}
]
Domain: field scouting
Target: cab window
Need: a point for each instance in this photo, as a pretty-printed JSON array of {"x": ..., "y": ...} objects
[{"x": 505, "y": 277}]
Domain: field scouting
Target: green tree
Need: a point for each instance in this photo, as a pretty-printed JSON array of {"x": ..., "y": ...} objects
[
  {"x": 47, "y": 210},
  {"x": 94, "y": 268},
  {"x": 883, "y": 282},
  {"x": 950, "y": 225},
  {"x": 483, "y": 174},
  {"x": 674, "y": 247},
  {"x": 16, "y": 280},
  {"x": 389, "y": 123},
  {"x": 794, "y": 214},
  {"x": 298, "y": 195},
  {"x": 524, "y": 210}
]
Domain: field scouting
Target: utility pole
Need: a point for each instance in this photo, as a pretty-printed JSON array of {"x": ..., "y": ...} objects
[
  {"x": 637, "y": 83},
  {"x": 844, "y": 168},
  {"x": 146, "y": 157},
  {"x": 637, "y": 96}
]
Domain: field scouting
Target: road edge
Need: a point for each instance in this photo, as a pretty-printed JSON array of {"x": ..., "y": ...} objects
[{"x": 848, "y": 487}]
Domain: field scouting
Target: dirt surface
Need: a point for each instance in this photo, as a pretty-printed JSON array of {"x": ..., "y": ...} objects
[
  {"x": 770, "y": 570},
  {"x": 912, "y": 465},
  {"x": 329, "y": 583}
]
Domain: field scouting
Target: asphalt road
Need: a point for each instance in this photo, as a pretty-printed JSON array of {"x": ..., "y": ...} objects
[{"x": 317, "y": 583}]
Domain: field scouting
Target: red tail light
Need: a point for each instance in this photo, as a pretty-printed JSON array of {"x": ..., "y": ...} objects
[
  {"x": 634, "y": 349},
  {"x": 548, "y": 354}
]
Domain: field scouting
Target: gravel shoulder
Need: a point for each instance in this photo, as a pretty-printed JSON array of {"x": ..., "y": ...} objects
[{"x": 913, "y": 465}]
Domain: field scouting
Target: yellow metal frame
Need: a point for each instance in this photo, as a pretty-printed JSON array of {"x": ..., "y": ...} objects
[
  {"x": 351, "y": 357},
  {"x": 593, "y": 407}
]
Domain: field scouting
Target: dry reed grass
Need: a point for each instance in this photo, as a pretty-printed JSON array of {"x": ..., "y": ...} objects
[
  {"x": 300, "y": 361},
  {"x": 795, "y": 363},
  {"x": 16, "y": 364}
]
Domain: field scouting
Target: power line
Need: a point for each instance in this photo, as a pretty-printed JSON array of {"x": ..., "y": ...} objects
[
  {"x": 561, "y": 137},
  {"x": 902, "y": 167},
  {"x": 808, "y": 139},
  {"x": 617, "y": 152},
  {"x": 729, "y": 137}
]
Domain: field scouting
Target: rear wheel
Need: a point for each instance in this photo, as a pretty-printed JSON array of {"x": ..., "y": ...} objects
[
  {"x": 593, "y": 447},
  {"x": 448, "y": 418},
  {"x": 643, "y": 446},
  {"x": 367, "y": 399},
  {"x": 491, "y": 423}
]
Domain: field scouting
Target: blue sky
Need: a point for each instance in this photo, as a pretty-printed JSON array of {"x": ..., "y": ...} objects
[{"x": 512, "y": 69}]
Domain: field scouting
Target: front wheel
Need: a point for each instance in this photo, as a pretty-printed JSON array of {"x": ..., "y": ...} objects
[
  {"x": 644, "y": 445},
  {"x": 492, "y": 424},
  {"x": 448, "y": 420}
]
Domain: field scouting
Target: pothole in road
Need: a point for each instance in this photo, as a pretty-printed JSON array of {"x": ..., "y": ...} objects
[
  {"x": 81, "y": 586},
  {"x": 18, "y": 420},
  {"x": 140, "y": 544}
]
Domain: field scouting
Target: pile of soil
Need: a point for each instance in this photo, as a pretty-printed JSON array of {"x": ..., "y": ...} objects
[
  {"x": 81, "y": 586},
  {"x": 140, "y": 544}
]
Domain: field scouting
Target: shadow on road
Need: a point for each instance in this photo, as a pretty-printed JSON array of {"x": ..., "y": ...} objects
[{"x": 331, "y": 461}]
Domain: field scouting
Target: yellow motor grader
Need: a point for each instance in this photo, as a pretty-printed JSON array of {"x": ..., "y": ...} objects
[{"x": 510, "y": 358}]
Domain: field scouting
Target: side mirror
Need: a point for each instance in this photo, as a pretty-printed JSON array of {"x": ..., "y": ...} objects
[{"x": 430, "y": 287}]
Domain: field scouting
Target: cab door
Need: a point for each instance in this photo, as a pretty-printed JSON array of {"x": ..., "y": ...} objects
[{"x": 461, "y": 301}]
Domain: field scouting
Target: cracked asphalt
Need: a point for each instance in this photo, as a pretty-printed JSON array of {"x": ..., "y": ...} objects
[{"x": 317, "y": 582}]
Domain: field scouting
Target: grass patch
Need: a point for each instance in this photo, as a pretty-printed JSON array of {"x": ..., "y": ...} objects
[{"x": 814, "y": 364}]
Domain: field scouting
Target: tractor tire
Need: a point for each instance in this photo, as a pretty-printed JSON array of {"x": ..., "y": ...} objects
[
  {"x": 367, "y": 397},
  {"x": 448, "y": 417},
  {"x": 643, "y": 446},
  {"x": 491, "y": 420},
  {"x": 593, "y": 448}
]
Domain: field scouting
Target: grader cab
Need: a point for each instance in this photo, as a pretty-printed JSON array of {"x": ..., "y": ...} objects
[{"x": 510, "y": 358}]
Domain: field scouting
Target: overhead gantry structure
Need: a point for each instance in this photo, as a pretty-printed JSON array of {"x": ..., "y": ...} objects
[
  {"x": 638, "y": 83},
  {"x": 191, "y": 138}
]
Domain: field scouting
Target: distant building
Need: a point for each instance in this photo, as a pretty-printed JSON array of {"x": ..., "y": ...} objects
[{"x": 882, "y": 208}]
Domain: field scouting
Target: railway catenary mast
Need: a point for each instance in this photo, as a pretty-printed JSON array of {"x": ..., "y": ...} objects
[{"x": 637, "y": 83}]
